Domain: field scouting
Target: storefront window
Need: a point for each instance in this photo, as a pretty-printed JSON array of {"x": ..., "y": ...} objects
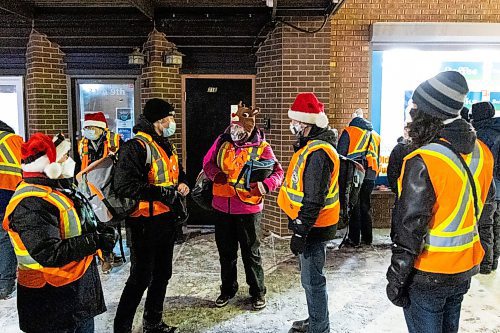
[
  {"x": 115, "y": 100},
  {"x": 11, "y": 100}
]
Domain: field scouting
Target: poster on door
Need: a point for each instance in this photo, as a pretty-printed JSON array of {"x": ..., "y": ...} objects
[{"x": 124, "y": 122}]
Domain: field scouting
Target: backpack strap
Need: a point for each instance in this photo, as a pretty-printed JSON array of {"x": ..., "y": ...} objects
[{"x": 149, "y": 158}]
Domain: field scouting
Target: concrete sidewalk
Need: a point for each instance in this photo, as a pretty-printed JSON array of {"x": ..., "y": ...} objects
[{"x": 356, "y": 283}]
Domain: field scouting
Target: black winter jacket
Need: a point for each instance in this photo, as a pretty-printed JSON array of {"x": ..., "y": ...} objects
[
  {"x": 396, "y": 163},
  {"x": 51, "y": 308},
  {"x": 414, "y": 211},
  {"x": 131, "y": 174},
  {"x": 488, "y": 131},
  {"x": 317, "y": 175}
]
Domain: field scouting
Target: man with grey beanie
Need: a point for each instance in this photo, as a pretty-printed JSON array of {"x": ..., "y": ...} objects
[{"x": 444, "y": 185}]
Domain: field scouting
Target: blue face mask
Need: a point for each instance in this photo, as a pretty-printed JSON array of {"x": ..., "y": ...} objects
[
  {"x": 90, "y": 134},
  {"x": 170, "y": 130}
]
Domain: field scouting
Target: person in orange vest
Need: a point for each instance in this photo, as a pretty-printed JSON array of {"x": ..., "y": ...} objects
[
  {"x": 361, "y": 143},
  {"x": 55, "y": 237},
  {"x": 239, "y": 208},
  {"x": 159, "y": 184},
  {"x": 309, "y": 197},
  {"x": 442, "y": 190},
  {"x": 10, "y": 176},
  {"x": 98, "y": 142}
]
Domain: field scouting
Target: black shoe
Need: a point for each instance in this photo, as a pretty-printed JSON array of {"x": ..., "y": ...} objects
[
  {"x": 222, "y": 300},
  {"x": 483, "y": 270},
  {"x": 6, "y": 293},
  {"x": 117, "y": 260},
  {"x": 350, "y": 243},
  {"x": 495, "y": 264},
  {"x": 158, "y": 328},
  {"x": 258, "y": 303},
  {"x": 300, "y": 325}
]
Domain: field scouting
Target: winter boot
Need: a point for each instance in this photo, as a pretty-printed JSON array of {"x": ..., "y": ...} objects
[
  {"x": 222, "y": 300},
  {"x": 300, "y": 325},
  {"x": 158, "y": 328},
  {"x": 258, "y": 303},
  {"x": 107, "y": 263},
  {"x": 117, "y": 260}
]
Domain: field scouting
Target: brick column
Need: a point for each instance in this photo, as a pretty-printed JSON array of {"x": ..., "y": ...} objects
[
  {"x": 160, "y": 81},
  {"x": 290, "y": 62},
  {"x": 46, "y": 86}
]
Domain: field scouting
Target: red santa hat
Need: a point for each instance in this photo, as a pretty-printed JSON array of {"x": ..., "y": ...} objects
[
  {"x": 40, "y": 154},
  {"x": 308, "y": 109},
  {"x": 95, "y": 119}
]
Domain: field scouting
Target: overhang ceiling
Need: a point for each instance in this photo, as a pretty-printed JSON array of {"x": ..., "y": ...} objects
[{"x": 201, "y": 29}]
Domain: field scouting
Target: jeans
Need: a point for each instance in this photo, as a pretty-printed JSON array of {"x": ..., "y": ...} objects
[
  {"x": 312, "y": 262},
  {"x": 435, "y": 308},
  {"x": 86, "y": 326},
  {"x": 361, "y": 220},
  {"x": 8, "y": 263},
  {"x": 242, "y": 229},
  {"x": 151, "y": 253}
]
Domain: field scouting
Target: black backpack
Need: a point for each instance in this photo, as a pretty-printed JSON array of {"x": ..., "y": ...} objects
[
  {"x": 202, "y": 191},
  {"x": 351, "y": 176}
]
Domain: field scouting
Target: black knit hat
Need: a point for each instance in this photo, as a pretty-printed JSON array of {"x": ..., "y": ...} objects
[
  {"x": 156, "y": 109},
  {"x": 482, "y": 111},
  {"x": 442, "y": 96}
]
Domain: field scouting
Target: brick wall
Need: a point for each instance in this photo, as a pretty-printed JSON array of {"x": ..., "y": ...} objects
[
  {"x": 382, "y": 204},
  {"x": 160, "y": 81},
  {"x": 350, "y": 58},
  {"x": 46, "y": 87},
  {"x": 289, "y": 62}
]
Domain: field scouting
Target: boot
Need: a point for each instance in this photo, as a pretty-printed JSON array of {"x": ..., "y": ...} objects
[
  {"x": 158, "y": 328},
  {"x": 300, "y": 326},
  {"x": 107, "y": 263}
]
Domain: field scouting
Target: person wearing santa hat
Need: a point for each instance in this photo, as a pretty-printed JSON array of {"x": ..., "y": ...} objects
[
  {"x": 361, "y": 143},
  {"x": 98, "y": 142},
  {"x": 309, "y": 197},
  {"x": 56, "y": 238}
]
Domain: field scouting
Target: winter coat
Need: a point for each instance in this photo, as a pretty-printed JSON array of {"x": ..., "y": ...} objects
[
  {"x": 131, "y": 173},
  {"x": 317, "y": 177},
  {"x": 488, "y": 131},
  {"x": 396, "y": 163},
  {"x": 5, "y": 195},
  {"x": 415, "y": 209},
  {"x": 344, "y": 141},
  {"x": 49, "y": 308},
  {"x": 234, "y": 205}
]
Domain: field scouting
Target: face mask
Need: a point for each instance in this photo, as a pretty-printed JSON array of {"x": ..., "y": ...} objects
[
  {"x": 90, "y": 134},
  {"x": 170, "y": 130},
  {"x": 68, "y": 168},
  {"x": 237, "y": 133},
  {"x": 297, "y": 128}
]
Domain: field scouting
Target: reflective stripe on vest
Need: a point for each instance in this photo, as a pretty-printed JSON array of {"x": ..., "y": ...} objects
[
  {"x": 452, "y": 242},
  {"x": 164, "y": 171},
  {"x": 291, "y": 193},
  {"x": 111, "y": 144},
  {"x": 31, "y": 273},
  {"x": 359, "y": 147},
  {"x": 231, "y": 163},
  {"x": 10, "y": 164}
]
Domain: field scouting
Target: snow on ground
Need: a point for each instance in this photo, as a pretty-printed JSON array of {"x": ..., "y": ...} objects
[{"x": 356, "y": 286}]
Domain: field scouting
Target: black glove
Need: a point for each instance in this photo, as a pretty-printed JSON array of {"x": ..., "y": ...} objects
[
  {"x": 106, "y": 237},
  {"x": 168, "y": 195},
  {"x": 298, "y": 227},
  {"x": 297, "y": 244},
  {"x": 397, "y": 294}
]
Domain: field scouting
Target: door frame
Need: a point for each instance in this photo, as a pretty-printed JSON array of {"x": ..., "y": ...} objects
[{"x": 184, "y": 77}]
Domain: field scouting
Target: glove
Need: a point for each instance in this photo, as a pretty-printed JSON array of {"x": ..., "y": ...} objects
[
  {"x": 298, "y": 227},
  {"x": 168, "y": 195},
  {"x": 106, "y": 237},
  {"x": 220, "y": 178},
  {"x": 297, "y": 244},
  {"x": 397, "y": 294}
]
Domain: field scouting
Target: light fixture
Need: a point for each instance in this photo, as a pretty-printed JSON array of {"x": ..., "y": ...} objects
[
  {"x": 136, "y": 57},
  {"x": 173, "y": 57}
]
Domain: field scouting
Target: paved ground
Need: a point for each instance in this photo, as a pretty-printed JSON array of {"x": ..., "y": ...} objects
[{"x": 356, "y": 283}]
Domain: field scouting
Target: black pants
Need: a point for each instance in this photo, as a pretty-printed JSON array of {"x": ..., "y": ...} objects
[
  {"x": 151, "y": 267},
  {"x": 243, "y": 229},
  {"x": 361, "y": 220}
]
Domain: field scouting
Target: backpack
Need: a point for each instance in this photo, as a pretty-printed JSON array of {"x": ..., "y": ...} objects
[
  {"x": 96, "y": 183},
  {"x": 351, "y": 176},
  {"x": 202, "y": 191},
  {"x": 255, "y": 171}
]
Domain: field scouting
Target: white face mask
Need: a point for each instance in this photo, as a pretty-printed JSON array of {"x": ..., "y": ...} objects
[
  {"x": 90, "y": 134},
  {"x": 170, "y": 130},
  {"x": 297, "y": 128},
  {"x": 68, "y": 168}
]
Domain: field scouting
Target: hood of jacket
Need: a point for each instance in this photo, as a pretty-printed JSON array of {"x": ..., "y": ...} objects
[
  {"x": 361, "y": 123},
  {"x": 144, "y": 125},
  {"x": 460, "y": 134},
  {"x": 254, "y": 140},
  {"x": 6, "y": 128},
  {"x": 491, "y": 124},
  {"x": 317, "y": 133}
]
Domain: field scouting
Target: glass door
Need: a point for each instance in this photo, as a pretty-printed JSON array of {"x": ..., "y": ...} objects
[
  {"x": 12, "y": 102},
  {"x": 115, "y": 98}
]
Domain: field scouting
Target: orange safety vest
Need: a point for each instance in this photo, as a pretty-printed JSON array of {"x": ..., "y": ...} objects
[
  {"x": 359, "y": 148},
  {"x": 231, "y": 163},
  {"x": 10, "y": 160},
  {"x": 111, "y": 144},
  {"x": 452, "y": 244},
  {"x": 164, "y": 171},
  {"x": 292, "y": 191},
  {"x": 31, "y": 273}
]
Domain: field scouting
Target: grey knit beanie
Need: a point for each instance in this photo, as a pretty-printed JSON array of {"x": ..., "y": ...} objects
[{"x": 442, "y": 96}]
